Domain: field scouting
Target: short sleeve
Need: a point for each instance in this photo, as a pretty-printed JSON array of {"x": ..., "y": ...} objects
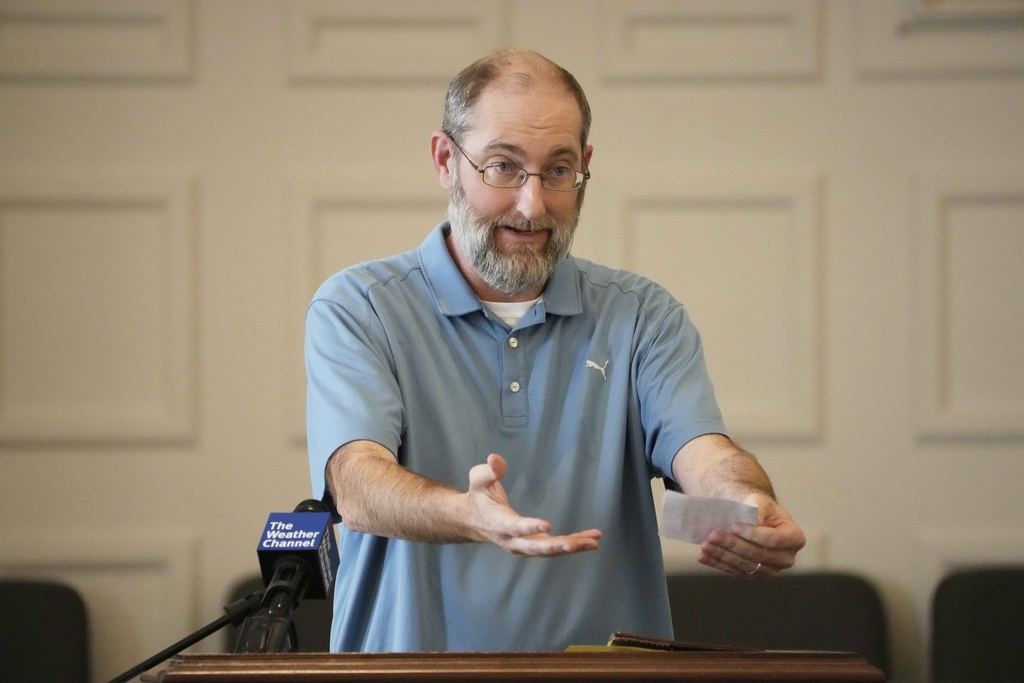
[
  {"x": 351, "y": 390},
  {"x": 677, "y": 398}
]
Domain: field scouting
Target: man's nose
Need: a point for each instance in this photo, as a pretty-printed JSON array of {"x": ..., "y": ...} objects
[{"x": 530, "y": 201}]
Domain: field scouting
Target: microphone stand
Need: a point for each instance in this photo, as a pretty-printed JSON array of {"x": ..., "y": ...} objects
[
  {"x": 267, "y": 618},
  {"x": 234, "y": 613},
  {"x": 271, "y": 629}
]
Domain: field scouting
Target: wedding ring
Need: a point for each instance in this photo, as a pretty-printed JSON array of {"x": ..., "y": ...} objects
[{"x": 756, "y": 569}]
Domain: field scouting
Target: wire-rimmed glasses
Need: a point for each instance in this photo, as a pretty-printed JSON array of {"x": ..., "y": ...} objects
[{"x": 505, "y": 174}]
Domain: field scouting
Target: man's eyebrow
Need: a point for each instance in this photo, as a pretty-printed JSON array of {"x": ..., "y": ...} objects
[{"x": 516, "y": 150}]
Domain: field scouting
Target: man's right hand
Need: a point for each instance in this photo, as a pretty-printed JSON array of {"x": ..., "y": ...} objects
[
  {"x": 376, "y": 495},
  {"x": 498, "y": 523}
]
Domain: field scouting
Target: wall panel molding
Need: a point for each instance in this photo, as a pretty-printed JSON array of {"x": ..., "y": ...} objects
[
  {"x": 398, "y": 40},
  {"x": 96, "y": 39},
  {"x": 970, "y": 247},
  {"x": 138, "y": 584},
  {"x": 957, "y": 37},
  {"x": 658, "y": 39},
  {"x": 97, "y": 305},
  {"x": 339, "y": 217},
  {"x": 746, "y": 242}
]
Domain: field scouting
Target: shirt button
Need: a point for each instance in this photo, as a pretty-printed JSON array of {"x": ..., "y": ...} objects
[
  {"x": 514, "y": 387},
  {"x": 513, "y": 342}
]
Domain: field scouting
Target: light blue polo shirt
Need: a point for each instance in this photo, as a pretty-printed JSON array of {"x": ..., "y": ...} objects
[{"x": 587, "y": 398}]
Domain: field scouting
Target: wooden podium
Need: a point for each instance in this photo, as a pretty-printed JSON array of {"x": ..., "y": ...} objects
[{"x": 535, "y": 667}]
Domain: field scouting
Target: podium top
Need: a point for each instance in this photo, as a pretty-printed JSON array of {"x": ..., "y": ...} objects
[{"x": 537, "y": 667}]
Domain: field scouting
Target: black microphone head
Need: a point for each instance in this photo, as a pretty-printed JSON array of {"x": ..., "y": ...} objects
[
  {"x": 306, "y": 535},
  {"x": 312, "y": 505}
]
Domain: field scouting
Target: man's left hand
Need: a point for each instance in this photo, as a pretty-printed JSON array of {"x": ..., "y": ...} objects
[{"x": 752, "y": 552}]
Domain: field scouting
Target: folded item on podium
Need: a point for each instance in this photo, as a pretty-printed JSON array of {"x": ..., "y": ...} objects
[{"x": 632, "y": 641}]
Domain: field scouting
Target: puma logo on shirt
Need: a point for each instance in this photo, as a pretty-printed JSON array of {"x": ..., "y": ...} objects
[{"x": 599, "y": 368}]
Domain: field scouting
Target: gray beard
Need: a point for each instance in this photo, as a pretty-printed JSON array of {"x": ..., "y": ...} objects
[{"x": 520, "y": 270}]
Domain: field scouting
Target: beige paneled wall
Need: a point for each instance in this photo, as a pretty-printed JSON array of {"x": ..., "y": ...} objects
[{"x": 835, "y": 190}]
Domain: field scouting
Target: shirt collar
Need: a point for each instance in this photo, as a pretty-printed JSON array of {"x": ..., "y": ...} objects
[
  {"x": 562, "y": 295},
  {"x": 454, "y": 296}
]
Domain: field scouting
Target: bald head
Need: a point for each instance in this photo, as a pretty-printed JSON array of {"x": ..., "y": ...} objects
[{"x": 516, "y": 71}]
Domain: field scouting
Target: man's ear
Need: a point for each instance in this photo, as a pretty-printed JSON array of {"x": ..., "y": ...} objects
[{"x": 441, "y": 154}]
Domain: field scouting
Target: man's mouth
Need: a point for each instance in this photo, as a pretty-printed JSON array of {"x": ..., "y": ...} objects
[{"x": 520, "y": 230}]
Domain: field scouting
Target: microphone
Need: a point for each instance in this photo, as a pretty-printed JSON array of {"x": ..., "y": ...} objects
[
  {"x": 298, "y": 558},
  {"x": 306, "y": 535}
]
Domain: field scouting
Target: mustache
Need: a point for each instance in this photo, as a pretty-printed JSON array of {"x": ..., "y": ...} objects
[{"x": 517, "y": 222}]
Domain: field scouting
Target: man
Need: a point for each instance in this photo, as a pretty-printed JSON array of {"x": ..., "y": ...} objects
[{"x": 557, "y": 386}]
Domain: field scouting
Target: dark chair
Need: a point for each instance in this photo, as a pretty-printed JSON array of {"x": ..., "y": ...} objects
[
  {"x": 44, "y": 633},
  {"x": 312, "y": 618},
  {"x": 978, "y": 626},
  {"x": 798, "y": 611}
]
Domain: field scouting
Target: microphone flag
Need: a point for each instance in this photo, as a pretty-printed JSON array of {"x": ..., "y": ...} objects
[{"x": 307, "y": 536}]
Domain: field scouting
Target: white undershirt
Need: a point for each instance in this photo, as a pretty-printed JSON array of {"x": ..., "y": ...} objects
[{"x": 511, "y": 312}]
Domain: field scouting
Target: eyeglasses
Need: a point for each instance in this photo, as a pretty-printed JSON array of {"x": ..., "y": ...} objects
[{"x": 505, "y": 174}]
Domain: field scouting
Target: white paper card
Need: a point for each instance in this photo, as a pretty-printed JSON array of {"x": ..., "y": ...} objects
[{"x": 692, "y": 518}]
